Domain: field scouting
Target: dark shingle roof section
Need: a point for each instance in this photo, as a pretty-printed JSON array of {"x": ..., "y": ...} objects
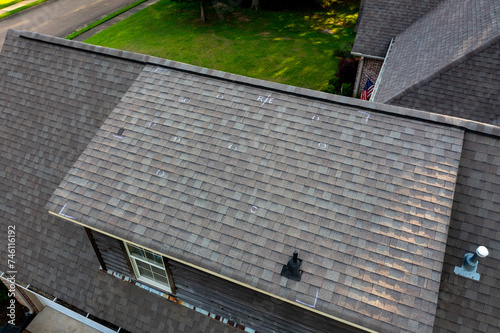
[
  {"x": 466, "y": 305},
  {"x": 232, "y": 177},
  {"x": 53, "y": 100},
  {"x": 382, "y": 20},
  {"x": 448, "y": 62}
]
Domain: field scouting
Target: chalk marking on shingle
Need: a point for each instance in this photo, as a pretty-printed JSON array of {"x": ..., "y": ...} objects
[
  {"x": 367, "y": 114},
  {"x": 315, "y": 118},
  {"x": 184, "y": 100},
  {"x": 176, "y": 139},
  {"x": 160, "y": 173},
  {"x": 152, "y": 124},
  {"x": 220, "y": 96},
  {"x": 254, "y": 209},
  {"x": 61, "y": 212},
  {"x": 233, "y": 147},
  {"x": 161, "y": 69},
  {"x": 268, "y": 99},
  {"x": 310, "y": 305},
  {"x": 322, "y": 145}
]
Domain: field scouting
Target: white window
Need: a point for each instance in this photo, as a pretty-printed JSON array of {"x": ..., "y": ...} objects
[{"x": 149, "y": 267}]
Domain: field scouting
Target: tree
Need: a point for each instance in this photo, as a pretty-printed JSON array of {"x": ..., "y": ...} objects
[{"x": 202, "y": 8}]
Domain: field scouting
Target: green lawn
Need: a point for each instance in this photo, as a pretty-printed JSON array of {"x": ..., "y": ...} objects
[{"x": 294, "y": 48}]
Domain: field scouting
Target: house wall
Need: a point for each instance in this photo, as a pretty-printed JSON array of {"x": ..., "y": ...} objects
[
  {"x": 112, "y": 252},
  {"x": 368, "y": 67},
  {"x": 245, "y": 306},
  {"x": 224, "y": 298}
]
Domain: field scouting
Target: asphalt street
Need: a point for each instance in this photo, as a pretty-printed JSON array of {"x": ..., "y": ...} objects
[{"x": 60, "y": 17}]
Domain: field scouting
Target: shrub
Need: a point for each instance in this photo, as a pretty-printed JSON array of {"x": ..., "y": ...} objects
[{"x": 343, "y": 81}]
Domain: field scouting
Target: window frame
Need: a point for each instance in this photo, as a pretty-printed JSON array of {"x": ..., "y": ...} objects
[{"x": 142, "y": 278}]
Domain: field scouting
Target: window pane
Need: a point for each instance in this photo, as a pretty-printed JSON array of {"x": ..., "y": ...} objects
[
  {"x": 136, "y": 252},
  {"x": 159, "y": 271},
  {"x": 145, "y": 272},
  {"x": 154, "y": 258},
  {"x": 161, "y": 279},
  {"x": 143, "y": 264}
]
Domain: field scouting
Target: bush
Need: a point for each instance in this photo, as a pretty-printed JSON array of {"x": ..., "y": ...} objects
[{"x": 343, "y": 81}]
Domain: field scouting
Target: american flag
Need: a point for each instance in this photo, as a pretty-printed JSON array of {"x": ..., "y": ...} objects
[{"x": 367, "y": 92}]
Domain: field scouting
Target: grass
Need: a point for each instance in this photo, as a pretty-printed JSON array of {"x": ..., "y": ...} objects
[
  {"x": 21, "y": 8},
  {"x": 104, "y": 19},
  {"x": 293, "y": 48}
]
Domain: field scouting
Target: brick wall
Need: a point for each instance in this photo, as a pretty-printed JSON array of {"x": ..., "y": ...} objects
[{"x": 371, "y": 67}]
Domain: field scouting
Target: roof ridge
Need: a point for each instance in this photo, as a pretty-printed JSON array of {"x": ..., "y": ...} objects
[
  {"x": 279, "y": 87},
  {"x": 456, "y": 62}
]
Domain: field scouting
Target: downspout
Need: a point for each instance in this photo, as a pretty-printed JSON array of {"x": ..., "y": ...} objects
[{"x": 358, "y": 77}]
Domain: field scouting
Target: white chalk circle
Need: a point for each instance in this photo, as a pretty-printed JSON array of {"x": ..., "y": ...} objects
[
  {"x": 233, "y": 147},
  {"x": 322, "y": 145},
  {"x": 254, "y": 209},
  {"x": 176, "y": 139},
  {"x": 160, "y": 173},
  {"x": 315, "y": 118}
]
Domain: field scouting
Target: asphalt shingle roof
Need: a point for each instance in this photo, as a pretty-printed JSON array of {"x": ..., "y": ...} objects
[
  {"x": 233, "y": 177},
  {"x": 53, "y": 100},
  {"x": 448, "y": 62},
  {"x": 365, "y": 191},
  {"x": 382, "y": 20},
  {"x": 466, "y": 305}
]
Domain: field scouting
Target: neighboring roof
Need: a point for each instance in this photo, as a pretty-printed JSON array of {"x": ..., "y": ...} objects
[
  {"x": 53, "y": 100},
  {"x": 448, "y": 62},
  {"x": 232, "y": 174},
  {"x": 382, "y": 20}
]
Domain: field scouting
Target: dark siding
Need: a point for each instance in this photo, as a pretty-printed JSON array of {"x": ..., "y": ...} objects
[
  {"x": 246, "y": 306},
  {"x": 113, "y": 253}
]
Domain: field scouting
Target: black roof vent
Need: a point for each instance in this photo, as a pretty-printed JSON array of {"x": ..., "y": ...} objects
[{"x": 292, "y": 269}]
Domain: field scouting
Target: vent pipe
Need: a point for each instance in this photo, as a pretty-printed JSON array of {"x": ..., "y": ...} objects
[
  {"x": 470, "y": 263},
  {"x": 292, "y": 269}
]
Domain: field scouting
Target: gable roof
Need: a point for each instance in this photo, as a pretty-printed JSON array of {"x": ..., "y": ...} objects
[
  {"x": 382, "y": 20},
  {"x": 448, "y": 62},
  {"x": 232, "y": 174}
]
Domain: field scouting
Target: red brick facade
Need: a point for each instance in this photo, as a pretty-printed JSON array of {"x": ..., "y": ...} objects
[{"x": 371, "y": 68}]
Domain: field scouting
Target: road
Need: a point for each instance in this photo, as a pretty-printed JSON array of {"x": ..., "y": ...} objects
[{"x": 60, "y": 17}]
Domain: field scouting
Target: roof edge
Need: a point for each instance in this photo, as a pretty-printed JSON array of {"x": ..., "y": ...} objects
[
  {"x": 278, "y": 87},
  {"x": 338, "y": 319},
  {"x": 458, "y": 61},
  {"x": 358, "y": 54}
]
